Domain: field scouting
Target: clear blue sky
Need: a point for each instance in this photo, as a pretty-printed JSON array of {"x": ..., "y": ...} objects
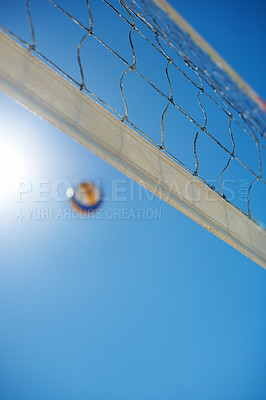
[{"x": 125, "y": 309}]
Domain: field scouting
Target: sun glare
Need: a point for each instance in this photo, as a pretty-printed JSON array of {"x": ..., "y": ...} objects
[{"x": 12, "y": 168}]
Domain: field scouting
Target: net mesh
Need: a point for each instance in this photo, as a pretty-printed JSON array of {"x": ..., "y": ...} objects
[{"x": 135, "y": 61}]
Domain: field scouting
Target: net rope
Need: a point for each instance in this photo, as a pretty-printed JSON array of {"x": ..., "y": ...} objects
[{"x": 226, "y": 95}]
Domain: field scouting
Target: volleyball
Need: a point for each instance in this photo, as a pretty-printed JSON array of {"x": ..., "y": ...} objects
[{"x": 85, "y": 198}]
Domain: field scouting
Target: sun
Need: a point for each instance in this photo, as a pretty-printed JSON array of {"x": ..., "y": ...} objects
[{"x": 12, "y": 168}]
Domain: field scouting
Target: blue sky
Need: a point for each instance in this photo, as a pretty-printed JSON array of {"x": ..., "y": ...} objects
[{"x": 119, "y": 308}]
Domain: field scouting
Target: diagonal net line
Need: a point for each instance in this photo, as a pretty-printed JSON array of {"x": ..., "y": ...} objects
[{"x": 226, "y": 96}]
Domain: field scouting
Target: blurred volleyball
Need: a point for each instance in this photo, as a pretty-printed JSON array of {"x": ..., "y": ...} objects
[{"x": 85, "y": 198}]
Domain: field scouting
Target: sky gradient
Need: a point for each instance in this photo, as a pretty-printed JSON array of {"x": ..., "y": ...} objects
[{"x": 120, "y": 307}]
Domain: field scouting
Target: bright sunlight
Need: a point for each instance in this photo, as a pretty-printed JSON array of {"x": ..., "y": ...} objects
[{"x": 12, "y": 168}]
